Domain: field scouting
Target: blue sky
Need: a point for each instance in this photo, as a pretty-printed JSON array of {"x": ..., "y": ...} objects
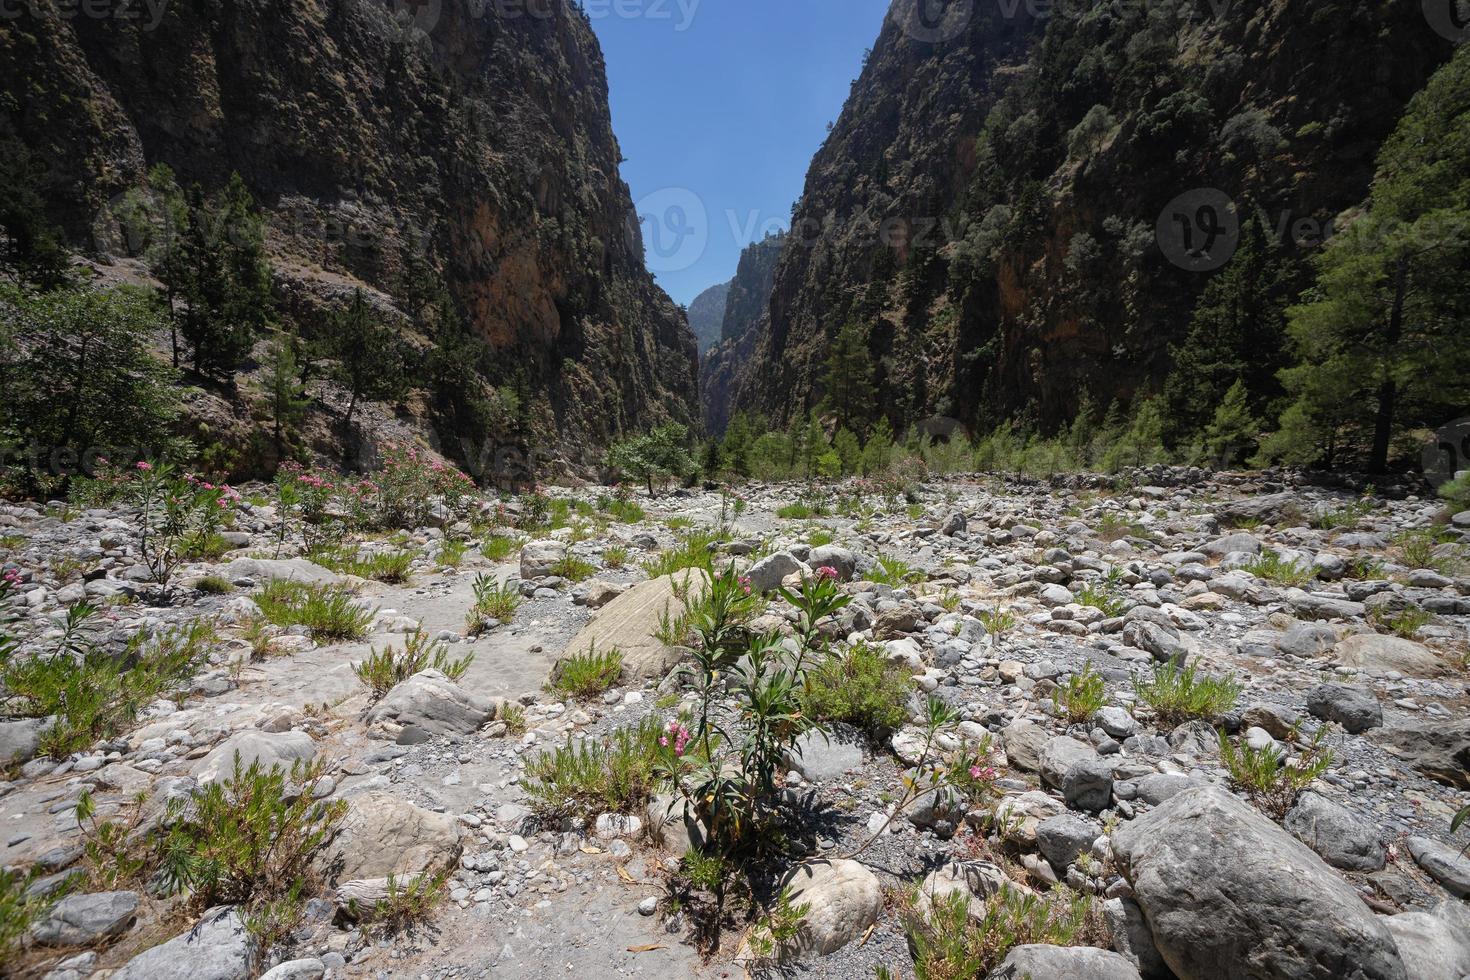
[{"x": 718, "y": 106}]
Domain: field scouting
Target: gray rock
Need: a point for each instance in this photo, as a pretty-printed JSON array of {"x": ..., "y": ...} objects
[
  {"x": 1275, "y": 508},
  {"x": 1444, "y": 864},
  {"x": 1063, "y": 963},
  {"x": 1439, "y": 750},
  {"x": 539, "y": 557},
  {"x": 768, "y": 573},
  {"x": 1165, "y": 643},
  {"x": 281, "y": 749},
  {"x": 1354, "y": 708},
  {"x": 431, "y": 703},
  {"x": 1196, "y": 738},
  {"x": 1307, "y": 640},
  {"x": 820, "y": 757},
  {"x": 1132, "y": 940},
  {"x": 1117, "y": 722},
  {"x": 80, "y": 920},
  {"x": 217, "y": 948},
  {"x": 1084, "y": 778},
  {"x": 304, "y": 969},
  {"x": 842, "y": 561},
  {"x": 1023, "y": 741},
  {"x": 21, "y": 740},
  {"x": 1063, "y": 837},
  {"x": 844, "y": 898},
  {"x": 262, "y": 570},
  {"x": 1227, "y": 894},
  {"x": 954, "y": 523},
  {"x": 1435, "y": 945},
  {"x": 384, "y": 835},
  {"x": 1238, "y": 543},
  {"x": 1381, "y": 654},
  {"x": 1160, "y": 787},
  {"x": 1311, "y": 605},
  {"x": 1344, "y": 839}
]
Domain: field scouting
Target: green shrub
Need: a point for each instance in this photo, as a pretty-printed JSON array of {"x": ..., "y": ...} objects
[
  {"x": 772, "y": 934},
  {"x": 391, "y": 567},
  {"x": 1270, "y": 566},
  {"x": 587, "y": 674},
  {"x": 1420, "y": 549},
  {"x": 622, "y": 510},
  {"x": 1457, "y": 493},
  {"x": 1115, "y": 528},
  {"x": 572, "y": 568},
  {"x": 861, "y": 689},
  {"x": 615, "y": 556},
  {"x": 327, "y": 611},
  {"x": 799, "y": 511},
  {"x": 1267, "y": 778},
  {"x": 452, "y": 552},
  {"x": 1405, "y": 622},
  {"x": 589, "y": 777},
  {"x": 19, "y": 910},
  {"x": 94, "y": 693},
  {"x": 411, "y": 900},
  {"x": 386, "y": 668},
  {"x": 1105, "y": 596},
  {"x": 894, "y": 572},
  {"x": 950, "y": 944},
  {"x": 499, "y": 547},
  {"x": 1341, "y": 517},
  {"x": 493, "y": 600},
  {"x": 514, "y": 716},
  {"x": 997, "y": 622},
  {"x": 213, "y": 585},
  {"x": 1178, "y": 694},
  {"x": 1082, "y": 694},
  {"x": 692, "y": 551}
]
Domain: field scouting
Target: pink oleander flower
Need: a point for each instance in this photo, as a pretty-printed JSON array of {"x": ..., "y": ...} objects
[
  {"x": 983, "y": 773},
  {"x": 827, "y": 571},
  {"x": 144, "y": 466},
  {"x": 681, "y": 735}
]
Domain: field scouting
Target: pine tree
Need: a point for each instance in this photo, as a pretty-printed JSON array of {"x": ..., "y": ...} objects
[
  {"x": 370, "y": 362},
  {"x": 813, "y": 445},
  {"x": 878, "y": 452},
  {"x": 1238, "y": 332},
  {"x": 283, "y": 391},
  {"x": 850, "y": 393},
  {"x": 1385, "y": 339},
  {"x": 849, "y": 450},
  {"x": 225, "y": 277},
  {"x": 1231, "y": 436}
]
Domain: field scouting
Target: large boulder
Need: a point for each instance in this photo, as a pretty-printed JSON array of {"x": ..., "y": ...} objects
[
  {"x": 20, "y": 740},
  {"x": 976, "y": 881},
  {"x": 263, "y": 570},
  {"x": 822, "y": 756},
  {"x": 539, "y": 557},
  {"x": 842, "y": 561},
  {"x": 629, "y": 622},
  {"x": 1439, "y": 750},
  {"x": 81, "y": 920},
  {"x": 1023, "y": 741},
  {"x": 1084, "y": 778},
  {"x": 768, "y": 573},
  {"x": 281, "y": 749},
  {"x": 383, "y": 835},
  {"x": 845, "y": 898},
  {"x": 1344, "y": 839},
  {"x": 1354, "y": 708},
  {"x": 1378, "y": 654},
  {"x": 1275, "y": 508},
  {"x": 1229, "y": 895},
  {"x": 432, "y": 704},
  {"x": 1063, "y": 963},
  {"x": 1435, "y": 945},
  {"x": 1447, "y": 865},
  {"x": 217, "y": 948}
]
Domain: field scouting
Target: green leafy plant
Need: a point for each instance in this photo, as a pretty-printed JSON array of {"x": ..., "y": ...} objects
[
  {"x": 1082, "y": 695},
  {"x": 1403, "y": 622},
  {"x": 499, "y": 547},
  {"x": 861, "y": 688},
  {"x": 615, "y": 556},
  {"x": 799, "y": 511},
  {"x": 572, "y": 568},
  {"x": 329, "y": 612},
  {"x": 410, "y": 901},
  {"x": 213, "y": 585},
  {"x": 1178, "y": 693},
  {"x": 587, "y": 674},
  {"x": 93, "y": 693},
  {"x": 384, "y": 669},
  {"x": 773, "y": 932},
  {"x": 894, "y": 572},
  {"x": 587, "y": 777},
  {"x": 949, "y": 943},
  {"x": 1270, "y": 566},
  {"x": 692, "y": 551},
  {"x": 1105, "y": 595},
  {"x": 20, "y": 910},
  {"x": 452, "y": 552},
  {"x": 514, "y": 716},
  {"x": 672, "y": 630},
  {"x": 494, "y": 600},
  {"x": 1420, "y": 549},
  {"x": 1348, "y": 515},
  {"x": 998, "y": 622},
  {"x": 1112, "y": 527},
  {"x": 1265, "y": 775}
]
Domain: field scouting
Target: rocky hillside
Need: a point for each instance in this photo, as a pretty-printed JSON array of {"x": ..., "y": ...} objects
[
  {"x": 986, "y": 206},
  {"x": 707, "y": 316},
  {"x": 745, "y": 310},
  {"x": 471, "y": 143}
]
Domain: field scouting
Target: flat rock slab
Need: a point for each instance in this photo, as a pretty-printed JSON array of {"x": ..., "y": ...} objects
[
  {"x": 217, "y": 948},
  {"x": 384, "y": 835},
  {"x": 1380, "y": 654},
  {"x": 630, "y": 620},
  {"x": 262, "y": 570},
  {"x": 819, "y": 756},
  {"x": 283, "y": 749}
]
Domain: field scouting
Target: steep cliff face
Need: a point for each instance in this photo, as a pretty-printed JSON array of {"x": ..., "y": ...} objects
[
  {"x": 745, "y": 311},
  {"x": 994, "y": 204},
  {"x": 707, "y": 316},
  {"x": 476, "y": 136}
]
